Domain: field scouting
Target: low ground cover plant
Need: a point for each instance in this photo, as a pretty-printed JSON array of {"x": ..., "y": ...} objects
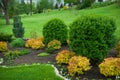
[
  {"x": 24, "y": 52},
  {"x": 10, "y": 56},
  {"x": 43, "y": 54}
]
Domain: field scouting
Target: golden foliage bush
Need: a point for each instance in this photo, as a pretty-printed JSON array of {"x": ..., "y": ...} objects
[
  {"x": 55, "y": 44},
  {"x": 64, "y": 56},
  {"x": 35, "y": 43},
  {"x": 78, "y": 64},
  {"x": 110, "y": 67},
  {"x": 3, "y": 46}
]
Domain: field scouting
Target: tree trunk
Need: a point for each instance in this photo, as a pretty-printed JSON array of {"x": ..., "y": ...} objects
[
  {"x": 3, "y": 5},
  {"x": 7, "y": 17}
]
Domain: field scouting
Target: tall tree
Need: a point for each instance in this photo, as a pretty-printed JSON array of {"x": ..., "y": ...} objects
[
  {"x": 43, "y": 5},
  {"x": 31, "y": 7},
  {"x": 4, "y": 6}
]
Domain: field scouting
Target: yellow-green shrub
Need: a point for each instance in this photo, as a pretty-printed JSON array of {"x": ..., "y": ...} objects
[
  {"x": 110, "y": 67},
  {"x": 64, "y": 56},
  {"x": 3, "y": 46},
  {"x": 54, "y": 44},
  {"x": 65, "y": 7},
  {"x": 78, "y": 64},
  {"x": 35, "y": 43}
]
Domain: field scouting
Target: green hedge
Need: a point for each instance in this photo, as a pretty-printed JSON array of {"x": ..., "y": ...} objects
[{"x": 92, "y": 36}]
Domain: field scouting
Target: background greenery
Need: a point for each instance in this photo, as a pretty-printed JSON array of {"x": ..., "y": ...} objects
[{"x": 35, "y": 22}]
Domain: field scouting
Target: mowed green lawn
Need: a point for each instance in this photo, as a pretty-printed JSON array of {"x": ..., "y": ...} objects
[
  {"x": 35, "y": 23},
  {"x": 33, "y": 72}
]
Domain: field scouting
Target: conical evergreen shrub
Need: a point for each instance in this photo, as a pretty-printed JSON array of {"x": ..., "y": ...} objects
[{"x": 18, "y": 29}]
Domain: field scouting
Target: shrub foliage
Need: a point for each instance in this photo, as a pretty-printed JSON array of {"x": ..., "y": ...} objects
[
  {"x": 18, "y": 42},
  {"x": 64, "y": 56},
  {"x": 110, "y": 67},
  {"x": 18, "y": 29},
  {"x": 92, "y": 36},
  {"x": 11, "y": 55},
  {"x": 53, "y": 45},
  {"x": 3, "y": 46},
  {"x": 5, "y": 37},
  {"x": 35, "y": 43},
  {"x": 55, "y": 29},
  {"x": 78, "y": 64}
]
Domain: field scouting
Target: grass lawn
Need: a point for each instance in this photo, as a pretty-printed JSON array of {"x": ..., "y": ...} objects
[
  {"x": 35, "y": 23},
  {"x": 33, "y": 72}
]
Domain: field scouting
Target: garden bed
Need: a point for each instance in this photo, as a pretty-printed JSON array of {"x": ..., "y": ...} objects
[{"x": 94, "y": 73}]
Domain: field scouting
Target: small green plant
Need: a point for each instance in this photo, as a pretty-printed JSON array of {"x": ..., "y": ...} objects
[
  {"x": 110, "y": 67},
  {"x": 78, "y": 64},
  {"x": 43, "y": 54},
  {"x": 24, "y": 52},
  {"x": 53, "y": 45},
  {"x": 18, "y": 29},
  {"x": 55, "y": 29},
  {"x": 18, "y": 42},
  {"x": 11, "y": 55},
  {"x": 64, "y": 56}
]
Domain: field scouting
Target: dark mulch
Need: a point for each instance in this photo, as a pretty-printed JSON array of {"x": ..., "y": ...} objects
[{"x": 33, "y": 58}]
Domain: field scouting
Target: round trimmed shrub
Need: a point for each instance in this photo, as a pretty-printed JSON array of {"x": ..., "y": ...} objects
[
  {"x": 55, "y": 29},
  {"x": 92, "y": 36},
  {"x": 18, "y": 42}
]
